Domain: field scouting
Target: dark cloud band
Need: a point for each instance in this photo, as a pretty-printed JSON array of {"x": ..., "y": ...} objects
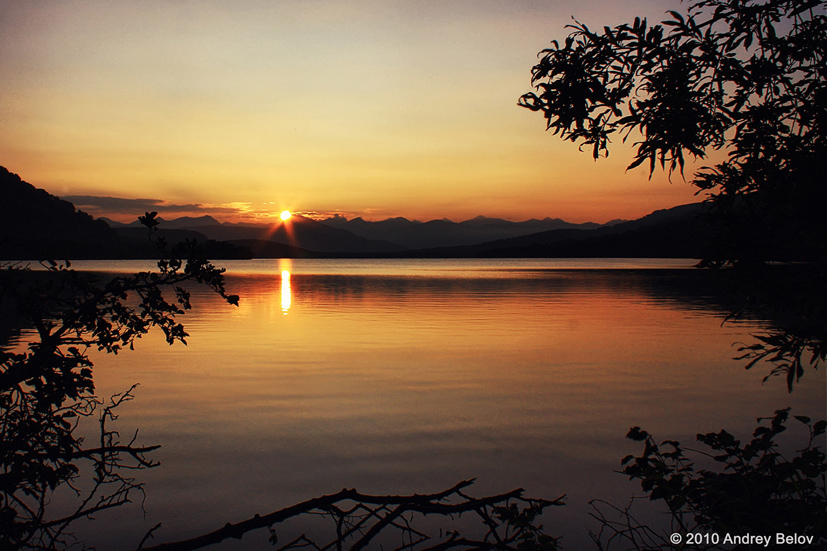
[{"x": 102, "y": 204}]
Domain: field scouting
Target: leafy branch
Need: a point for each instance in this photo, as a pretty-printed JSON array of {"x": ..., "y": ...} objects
[
  {"x": 753, "y": 487},
  {"x": 746, "y": 77},
  {"x": 48, "y": 387}
]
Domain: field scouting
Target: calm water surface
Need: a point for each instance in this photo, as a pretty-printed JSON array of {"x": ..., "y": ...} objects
[{"x": 410, "y": 375}]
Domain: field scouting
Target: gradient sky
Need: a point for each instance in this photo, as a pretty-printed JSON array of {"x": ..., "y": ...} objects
[{"x": 366, "y": 108}]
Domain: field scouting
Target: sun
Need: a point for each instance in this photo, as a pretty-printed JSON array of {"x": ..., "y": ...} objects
[{"x": 285, "y": 215}]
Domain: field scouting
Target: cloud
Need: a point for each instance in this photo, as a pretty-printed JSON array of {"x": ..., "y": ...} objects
[
  {"x": 113, "y": 203},
  {"x": 318, "y": 215},
  {"x": 120, "y": 207},
  {"x": 123, "y": 209}
]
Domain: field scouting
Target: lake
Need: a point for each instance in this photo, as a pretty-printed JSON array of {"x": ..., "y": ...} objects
[{"x": 403, "y": 376}]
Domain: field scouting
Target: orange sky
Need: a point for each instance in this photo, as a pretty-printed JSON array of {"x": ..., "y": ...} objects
[{"x": 365, "y": 108}]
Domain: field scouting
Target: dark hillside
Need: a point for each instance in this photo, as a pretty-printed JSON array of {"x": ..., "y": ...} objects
[{"x": 37, "y": 225}]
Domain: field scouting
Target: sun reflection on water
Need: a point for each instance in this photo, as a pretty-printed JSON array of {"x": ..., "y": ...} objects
[{"x": 286, "y": 296}]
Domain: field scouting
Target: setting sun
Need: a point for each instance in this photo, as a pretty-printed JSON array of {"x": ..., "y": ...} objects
[{"x": 285, "y": 214}]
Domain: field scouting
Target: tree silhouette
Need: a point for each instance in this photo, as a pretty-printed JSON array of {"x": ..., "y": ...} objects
[
  {"x": 46, "y": 388},
  {"x": 743, "y": 76}
]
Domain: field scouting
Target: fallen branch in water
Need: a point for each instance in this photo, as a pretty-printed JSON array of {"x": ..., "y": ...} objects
[{"x": 508, "y": 521}]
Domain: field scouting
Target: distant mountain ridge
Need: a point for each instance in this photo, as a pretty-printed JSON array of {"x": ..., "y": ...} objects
[
  {"x": 296, "y": 232},
  {"x": 37, "y": 225},
  {"x": 361, "y": 236},
  {"x": 176, "y": 223},
  {"x": 413, "y": 234},
  {"x": 677, "y": 232}
]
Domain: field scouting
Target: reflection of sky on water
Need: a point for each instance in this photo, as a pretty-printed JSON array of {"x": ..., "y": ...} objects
[{"x": 397, "y": 384}]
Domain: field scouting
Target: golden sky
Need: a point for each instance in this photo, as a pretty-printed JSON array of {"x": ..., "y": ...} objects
[{"x": 366, "y": 108}]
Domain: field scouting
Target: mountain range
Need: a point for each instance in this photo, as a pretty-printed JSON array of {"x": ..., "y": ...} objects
[
  {"x": 338, "y": 234},
  {"x": 37, "y": 225}
]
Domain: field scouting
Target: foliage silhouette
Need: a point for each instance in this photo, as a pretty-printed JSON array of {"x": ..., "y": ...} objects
[
  {"x": 48, "y": 388},
  {"x": 792, "y": 300},
  {"x": 747, "y": 489},
  {"x": 743, "y": 76},
  {"x": 787, "y": 353}
]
